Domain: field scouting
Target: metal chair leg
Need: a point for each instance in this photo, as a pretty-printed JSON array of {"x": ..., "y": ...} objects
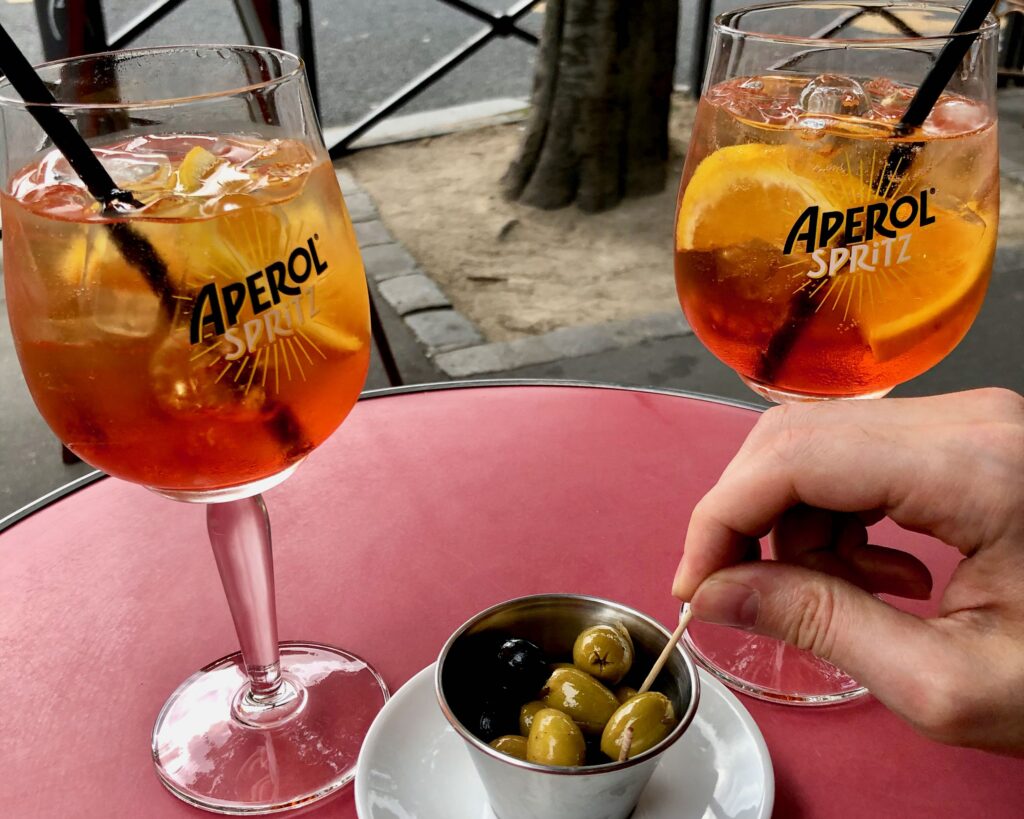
[
  {"x": 380, "y": 338},
  {"x": 700, "y": 46}
]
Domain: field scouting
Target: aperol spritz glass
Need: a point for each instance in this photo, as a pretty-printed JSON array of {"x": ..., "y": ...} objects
[
  {"x": 824, "y": 249},
  {"x": 200, "y": 337}
]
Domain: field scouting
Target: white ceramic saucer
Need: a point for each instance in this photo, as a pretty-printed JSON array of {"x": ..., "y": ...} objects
[{"x": 414, "y": 766}]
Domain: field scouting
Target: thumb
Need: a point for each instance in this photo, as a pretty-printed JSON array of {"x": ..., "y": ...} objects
[{"x": 891, "y": 652}]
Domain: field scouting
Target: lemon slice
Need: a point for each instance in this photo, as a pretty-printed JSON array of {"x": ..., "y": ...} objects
[{"x": 198, "y": 162}]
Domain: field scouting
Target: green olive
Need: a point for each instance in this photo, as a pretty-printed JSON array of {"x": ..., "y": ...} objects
[
  {"x": 606, "y": 651},
  {"x": 511, "y": 745},
  {"x": 624, "y": 693},
  {"x": 583, "y": 698},
  {"x": 526, "y": 715},
  {"x": 555, "y": 740},
  {"x": 652, "y": 717}
]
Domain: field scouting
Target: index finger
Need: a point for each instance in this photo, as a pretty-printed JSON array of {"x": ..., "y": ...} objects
[{"x": 855, "y": 463}]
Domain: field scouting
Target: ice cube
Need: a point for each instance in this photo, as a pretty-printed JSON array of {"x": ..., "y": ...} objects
[
  {"x": 55, "y": 170},
  {"x": 136, "y": 172},
  {"x": 280, "y": 159},
  {"x": 834, "y": 94},
  {"x": 952, "y": 116},
  {"x": 126, "y": 312}
]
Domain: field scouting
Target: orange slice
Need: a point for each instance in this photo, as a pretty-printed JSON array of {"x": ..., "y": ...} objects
[
  {"x": 754, "y": 192},
  {"x": 911, "y": 300}
]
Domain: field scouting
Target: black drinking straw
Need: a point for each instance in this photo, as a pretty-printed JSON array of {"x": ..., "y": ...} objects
[
  {"x": 41, "y": 104},
  {"x": 968, "y": 24},
  {"x": 928, "y": 93},
  {"x": 897, "y": 163}
]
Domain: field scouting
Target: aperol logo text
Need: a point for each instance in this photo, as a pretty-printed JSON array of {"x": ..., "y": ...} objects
[
  {"x": 863, "y": 238},
  {"x": 281, "y": 298}
]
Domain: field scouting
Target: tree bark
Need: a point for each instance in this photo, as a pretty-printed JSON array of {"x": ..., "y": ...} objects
[{"x": 598, "y": 128}]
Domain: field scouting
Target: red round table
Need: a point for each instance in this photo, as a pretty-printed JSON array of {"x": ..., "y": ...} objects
[{"x": 426, "y": 507}]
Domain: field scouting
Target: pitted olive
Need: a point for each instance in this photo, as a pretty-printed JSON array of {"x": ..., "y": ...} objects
[
  {"x": 511, "y": 744},
  {"x": 652, "y": 718},
  {"x": 580, "y": 696},
  {"x": 555, "y": 740},
  {"x": 605, "y": 651},
  {"x": 526, "y": 715}
]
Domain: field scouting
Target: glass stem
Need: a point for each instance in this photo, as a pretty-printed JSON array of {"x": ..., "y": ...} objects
[{"x": 240, "y": 536}]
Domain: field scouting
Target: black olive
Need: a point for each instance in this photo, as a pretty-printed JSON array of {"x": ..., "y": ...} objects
[
  {"x": 495, "y": 720},
  {"x": 522, "y": 669},
  {"x": 594, "y": 754}
]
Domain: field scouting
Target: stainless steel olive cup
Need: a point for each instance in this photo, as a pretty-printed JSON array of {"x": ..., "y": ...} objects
[{"x": 523, "y": 790}]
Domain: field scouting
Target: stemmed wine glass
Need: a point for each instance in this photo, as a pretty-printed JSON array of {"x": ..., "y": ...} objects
[
  {"x": 200, "y": 333},
  {"x": 836, "y": 225}
]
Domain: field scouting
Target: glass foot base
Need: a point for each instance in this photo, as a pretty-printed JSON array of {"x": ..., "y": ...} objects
[
  {"x": 209, "y": 758},
  {"x": 778, "y": 396},
  {"x": 768, "y": 669}
]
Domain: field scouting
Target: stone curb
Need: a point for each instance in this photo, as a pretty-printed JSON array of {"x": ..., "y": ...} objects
[
  {"x": 413, "y": 293},
  {"x": 566, "y": 342},
  {"x": 454, "y": 343},
  {"x": 414, "y": 296}
]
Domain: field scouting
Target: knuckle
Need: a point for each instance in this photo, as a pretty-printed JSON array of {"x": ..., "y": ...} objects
[
  {"x": 762, "y": 430},
  {"x": 814, "y": 622},
  {"x": 1004, "y": 404},
  {"x": 781, "y": 431},
  {"x": 790, "y": 443},
  {"x": 781, "y": 416},
  {"x": 703, "y": 510}
]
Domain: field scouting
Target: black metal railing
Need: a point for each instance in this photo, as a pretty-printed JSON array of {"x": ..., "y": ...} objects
[
  {"x": 261, "y": 20},
  {"x": 1010, "y": 69},
  {"x": 498, "y": 25},
  {"x": 1011, "y": 49}
]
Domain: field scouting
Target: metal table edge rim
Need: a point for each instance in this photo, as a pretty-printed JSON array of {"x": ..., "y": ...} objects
[{"x": 91, "y": 477}]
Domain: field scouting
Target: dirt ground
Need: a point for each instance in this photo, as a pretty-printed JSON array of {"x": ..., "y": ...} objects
[{"x": 514, "y": 270}]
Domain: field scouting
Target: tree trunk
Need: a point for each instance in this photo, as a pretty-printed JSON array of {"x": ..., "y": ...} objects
[{"x": 598, "y": 128}]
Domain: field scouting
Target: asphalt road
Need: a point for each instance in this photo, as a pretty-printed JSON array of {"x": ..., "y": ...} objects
[{"x": 366, "y": 49}]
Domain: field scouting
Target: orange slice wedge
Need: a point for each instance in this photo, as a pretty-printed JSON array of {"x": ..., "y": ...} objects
[
  {"x": 946, "y": 262},
  {"x": 754, "y": 192}
]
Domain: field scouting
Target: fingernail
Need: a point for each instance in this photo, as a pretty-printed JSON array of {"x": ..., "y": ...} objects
[{"x": 728, "y": 604}]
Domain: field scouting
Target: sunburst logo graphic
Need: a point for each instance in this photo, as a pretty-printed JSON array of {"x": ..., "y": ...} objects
[
  {"x": 254, "y": 314},
  {"x": 882, "y": 251},
  {"x": 856, "y": 243}
]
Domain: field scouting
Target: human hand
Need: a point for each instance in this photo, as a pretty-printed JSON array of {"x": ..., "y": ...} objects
[{"x": 815, "y": 476}]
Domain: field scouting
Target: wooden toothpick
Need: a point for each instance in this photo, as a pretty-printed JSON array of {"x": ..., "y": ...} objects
[{"x": 684, "y": 621}]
